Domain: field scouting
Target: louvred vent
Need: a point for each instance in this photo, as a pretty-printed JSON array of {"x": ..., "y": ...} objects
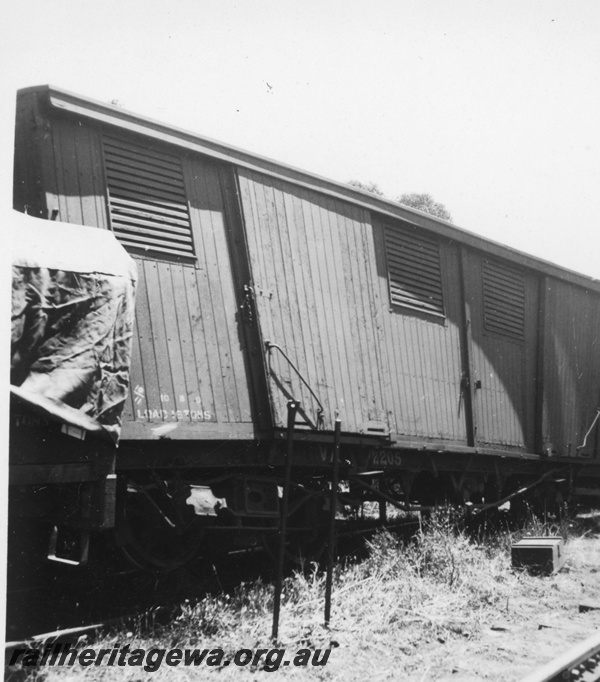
[
  {"x": 414, "y": 271},
  {"x": 147, "y": 199},
  {"x": 503, "y": 300}
]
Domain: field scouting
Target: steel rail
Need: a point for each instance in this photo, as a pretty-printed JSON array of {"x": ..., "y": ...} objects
[
  {"x": 581, "y": 662},
  {"x": 54, "y": 635}
]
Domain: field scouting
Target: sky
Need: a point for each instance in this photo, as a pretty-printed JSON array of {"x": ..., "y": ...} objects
[{"x": 492, "y": 107}]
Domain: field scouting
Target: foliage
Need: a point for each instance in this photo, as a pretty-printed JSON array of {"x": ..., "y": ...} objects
[
  {"x": 426, "y": 203},
  {"x": 367, "y": 187},
  {"x": 409, "y": 606},
  {"x": 422, "y": 202}
]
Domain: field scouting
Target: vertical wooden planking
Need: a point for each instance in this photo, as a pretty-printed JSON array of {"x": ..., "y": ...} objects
[
  {"x": 250, "y": 208},
  {"x": 86, "y": 175},
  {"x": 215, "y": 302},
  {"x": 69, "y": 148},
  {"x": 395, "y": 396},
  {"x": 143, "y": 325},
  {"x": 348, "y": 398},
  {"x": 353, "y": 273},
  {"x": 364, "y": 286},
  {"x": 454, "y": 350},
  {"x": 28, "y": 186},
  {"x": 170, "y": 300},
  {"x": 329, "y": 303},
  {"x": 409, "y": 371},
  {"x": 212, "y": 303},
  {"x": 248, "y": 331},
  {"x": 76, "y": 187},
  {"x": 422, "y": 349},
  {"x": 268, "y": 295},
  {"x": 374, "y": 310},
  {"x": 184, "y": 336},
  {"x": 238, "y": 379},
  {"x": 351, "y": 262},
  {"x": 63, "y": 188},
  {"x": 423, "y": 359},
  {"x": 257, "y": 268},
  {"x": 259, "y": 283},
  {"x": 593, "y": 378},
  {"x": 312, "y": 332},
  {"x": 304, "y": 308},
  {"x": 159, "y": 336},
  {"x": 530, "y": 376},
  {"x": 541, "y": 385},
  {"x": 356, "y": 373},
  {"x": 165, "y": 346},
  {"x": 451, "y": 425},
  {"x": 319, "y": 283},
  {"x": 91, "y": 177},
  {"x": 376, "y": 364},
  {"x": 212, "y": 393},
  {"x": 436, "y": 341},
  {"x": 275, "y": 296},
  {"x": 505, "y": 365},
  {"x": 412, "y": 372},
  {"x": 571, "y": 368},
  {"x": 592, "y": 401},
  {"x": 554, "y": 388},
  {"x": 293, "y": 298},
  {"x": 46, "y": 166}
]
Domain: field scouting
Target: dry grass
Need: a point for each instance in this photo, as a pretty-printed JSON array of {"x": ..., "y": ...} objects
[{"x": 401, "y": 613}]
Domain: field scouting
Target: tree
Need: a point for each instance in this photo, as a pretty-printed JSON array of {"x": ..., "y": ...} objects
[
  {"x": 426, "y": 203},
  {"x": 422, "y": 202},
  {"x": 367, "y": 187}
]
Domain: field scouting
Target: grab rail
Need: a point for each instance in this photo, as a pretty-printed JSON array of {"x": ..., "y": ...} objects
[
  {"x": 580, "y": 447},
  {"x": 270, "y": 346}
]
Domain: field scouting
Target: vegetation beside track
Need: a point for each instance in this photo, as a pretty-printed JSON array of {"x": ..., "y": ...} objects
[{"x": 446, "y": 605}]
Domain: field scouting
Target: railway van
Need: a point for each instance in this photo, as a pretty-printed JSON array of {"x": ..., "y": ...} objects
[{"x": 279, "y": 321}]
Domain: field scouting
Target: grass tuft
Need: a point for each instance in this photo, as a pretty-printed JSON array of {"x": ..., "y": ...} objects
[{"x": 441, "y": 587}]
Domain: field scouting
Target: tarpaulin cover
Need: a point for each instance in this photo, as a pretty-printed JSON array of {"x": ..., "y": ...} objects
[{"x": 73, "y": 296}]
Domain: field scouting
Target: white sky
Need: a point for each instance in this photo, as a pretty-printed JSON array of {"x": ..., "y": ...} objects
[{"x": 493, "y": 106}]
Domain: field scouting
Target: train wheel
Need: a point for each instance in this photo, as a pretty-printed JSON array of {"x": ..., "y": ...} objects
[{"x": 152, "y": 535}]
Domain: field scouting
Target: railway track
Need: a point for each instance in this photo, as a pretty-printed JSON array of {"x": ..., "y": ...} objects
[{"x": 579, "y": 664}]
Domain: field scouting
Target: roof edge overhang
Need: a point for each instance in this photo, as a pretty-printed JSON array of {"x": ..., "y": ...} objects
[{"x": 108, "y": 114}]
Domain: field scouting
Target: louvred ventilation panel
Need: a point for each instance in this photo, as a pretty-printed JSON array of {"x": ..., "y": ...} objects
[
  {"x": 147, "y": 199},
  {"x": 503, "y": 300},
  {"x": 414, "y": 271}
]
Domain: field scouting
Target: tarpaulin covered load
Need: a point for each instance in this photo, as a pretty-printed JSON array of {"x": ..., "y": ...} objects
[{"x": 73, "y": 296}]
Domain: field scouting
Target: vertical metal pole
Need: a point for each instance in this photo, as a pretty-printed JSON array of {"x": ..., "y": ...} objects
[
  {"x": 382, "y": 503},
  {"x": 292, "y": 408},
  {"x": 332, "y": 512}
]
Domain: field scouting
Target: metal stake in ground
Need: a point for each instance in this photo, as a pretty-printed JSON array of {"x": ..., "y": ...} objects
[
  {"x": 332, "y": 511},
  {"x": 292, "y": 409}
]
